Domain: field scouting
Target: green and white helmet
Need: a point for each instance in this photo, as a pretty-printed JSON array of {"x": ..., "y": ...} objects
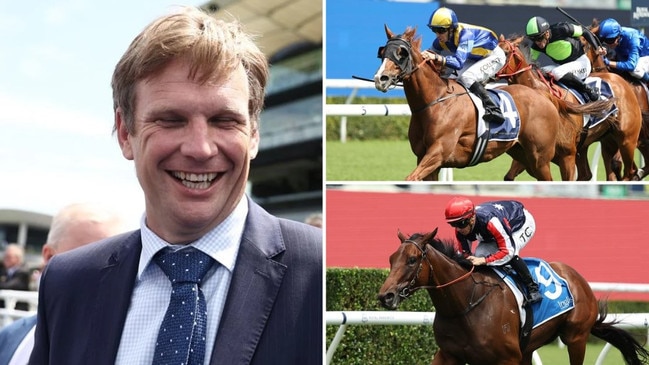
[{"x": 536, "y": 26}]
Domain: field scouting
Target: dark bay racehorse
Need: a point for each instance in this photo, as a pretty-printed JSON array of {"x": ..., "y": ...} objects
[
  {"x": 443, "y": 124},
  {"x": 476, "y": 314},
  {"x": 618, "y": 132}
]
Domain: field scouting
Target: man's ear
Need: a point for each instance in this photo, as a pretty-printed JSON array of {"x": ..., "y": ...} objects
[
  {"x": 123, "y": 134},
  {"x": 253, "y": 148}
]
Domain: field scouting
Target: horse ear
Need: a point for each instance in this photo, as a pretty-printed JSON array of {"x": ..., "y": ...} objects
[
  {"x": 388, "y": 32},
  {"x": 401, "y": 236},
  {"x": 434, "y": 232},
  {"x": 501, "y": 38}
]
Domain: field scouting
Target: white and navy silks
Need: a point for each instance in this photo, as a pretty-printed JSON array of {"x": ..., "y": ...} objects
[
  {"x": 502, "y": 229},
  {"x": 473, "y": 52}
]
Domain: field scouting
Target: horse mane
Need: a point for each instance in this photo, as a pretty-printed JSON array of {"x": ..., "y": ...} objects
[
  {"x": 410, "y": 34},
  {"x": 525, "y": 46},
  {"x": 447, "y": 247}
]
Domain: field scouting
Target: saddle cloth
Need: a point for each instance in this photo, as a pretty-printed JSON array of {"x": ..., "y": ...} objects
[
  {"x": 557, "y": 298},
  {"x": 508, "y": 130},
  {"x": 604, "y": 90}
]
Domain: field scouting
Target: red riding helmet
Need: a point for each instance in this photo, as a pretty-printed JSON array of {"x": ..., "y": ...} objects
[{"x": 458, "y": 209}]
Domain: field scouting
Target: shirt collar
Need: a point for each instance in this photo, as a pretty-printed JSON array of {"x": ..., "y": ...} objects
[{"x": 221, "y": 243}]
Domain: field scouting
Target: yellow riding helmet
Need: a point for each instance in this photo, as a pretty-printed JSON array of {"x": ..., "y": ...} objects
[{"x": 443, "y": 18}]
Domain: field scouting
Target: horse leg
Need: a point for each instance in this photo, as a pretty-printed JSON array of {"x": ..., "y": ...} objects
[
  {"x": 627, "y": 151},
  {"x": 567, "y": 167},
  {"x": 527, "y": 359},
  {"x": 576, "y": 350},
  {"x": 518, "y": 164},
  {"x": 515, "y": 169},
  {"x": 643, "y": 147},
  {"x": 616, "y": 165},
  {"x": 583, "y": 169},
  {"x": 427, "y": 165}
]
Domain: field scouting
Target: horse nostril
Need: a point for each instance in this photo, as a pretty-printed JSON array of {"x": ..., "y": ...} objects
[
  {"x": 384, "y": 78},
  {"x": 386, "y": 298}
]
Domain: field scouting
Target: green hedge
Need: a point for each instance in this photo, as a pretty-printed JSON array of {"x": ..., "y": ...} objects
[
  {"x": 356, "y": 290},
  {"x": 368, "y": 128}
]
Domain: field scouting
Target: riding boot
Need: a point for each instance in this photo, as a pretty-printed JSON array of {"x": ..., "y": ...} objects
[
  {"x": 492, "y": 111},
  {"x": 574, "y": 82},
  {"x": 523, "y": 272}
]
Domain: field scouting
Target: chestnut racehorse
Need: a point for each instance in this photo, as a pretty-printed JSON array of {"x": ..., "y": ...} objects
[
  {"x": 619, "y": 131},
  {"x": 477, "y": 318},
  {"x": 640, "y": 91},
  {"x": 443, "y": 123}
]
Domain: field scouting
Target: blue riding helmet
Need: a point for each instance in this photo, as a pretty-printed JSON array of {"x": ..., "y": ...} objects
[
  {"x": 443, "y": 18},
  {"x": 609, "y": 29}
]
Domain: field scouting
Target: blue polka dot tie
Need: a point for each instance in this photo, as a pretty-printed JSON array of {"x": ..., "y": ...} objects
[{"x": 181, "y": 340}]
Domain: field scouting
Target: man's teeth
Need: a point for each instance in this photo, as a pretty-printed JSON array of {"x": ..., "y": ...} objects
[{"x": 195, "y": 181}]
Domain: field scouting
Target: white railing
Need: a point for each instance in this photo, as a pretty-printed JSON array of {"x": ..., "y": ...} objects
[
  {"x": 345, "y": 318},
  {"x": 348, "y": 109},
  {"x": 10, "y": 297}
]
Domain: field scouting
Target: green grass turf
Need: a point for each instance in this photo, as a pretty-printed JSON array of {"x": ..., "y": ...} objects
[
  {"x": 378, "y": 160},
  {"x": 554, "y": 355}
]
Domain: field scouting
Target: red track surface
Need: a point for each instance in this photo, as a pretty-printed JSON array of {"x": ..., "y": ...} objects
[{"x": 604, "y": 240}]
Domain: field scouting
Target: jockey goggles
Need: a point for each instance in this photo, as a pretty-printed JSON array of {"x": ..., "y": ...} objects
[
  {"x": 609, "y": 40},
  {"x": 461, "y": 223},
  {"x": 438, "y": 30},
  {"x": 538, "y": 37}
]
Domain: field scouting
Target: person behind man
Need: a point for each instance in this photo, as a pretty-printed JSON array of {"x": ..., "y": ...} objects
[
  {"x": 502, "y": 229},
  {"x": 13, "y": 273},
  {"x": 472, "y": 51},
  {"x": 561, "y": 43},
  {"x": 73, "y": 226},
  {"x": 631, "y": 49},
  {"x": 314, "y": 219},
  {"x": 188, "y": 93}
]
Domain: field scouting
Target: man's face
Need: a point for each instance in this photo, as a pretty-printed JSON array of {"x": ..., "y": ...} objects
[
  {"x": 541, "y": 41},
  {"x": 11, "y": 257},
  {"x": 192, "y": 147},
  {"x": 442, "y": 34}
]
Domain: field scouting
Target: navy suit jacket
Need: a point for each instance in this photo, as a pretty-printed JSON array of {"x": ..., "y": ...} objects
[
  {"x": 12, "y": 335},
  {"x": 273, "y": 313}
]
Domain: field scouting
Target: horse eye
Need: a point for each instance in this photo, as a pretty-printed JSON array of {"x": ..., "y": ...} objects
[
  {"x": 412, "y": 260},
  {"x": 403, "y": 53}
]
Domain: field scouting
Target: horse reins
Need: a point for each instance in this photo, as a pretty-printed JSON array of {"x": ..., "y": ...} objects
[
  {"x": 518, "y": 61},
  {"x": 518, "y": 69},
  {"x": 407, "y": 69},
  {"x": 405, "y": 292}
]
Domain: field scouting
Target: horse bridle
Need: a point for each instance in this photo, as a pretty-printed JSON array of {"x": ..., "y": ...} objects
[
  {"x": 404, "y": 63},
  {"x": 406, "y": 66},
  {"x": 518, "y": 60},
  {"x": 472, "y": 301},
  {"x": 408, "y": 290}
]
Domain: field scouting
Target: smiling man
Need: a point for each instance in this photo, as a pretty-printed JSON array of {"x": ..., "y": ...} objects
[{"x": 210, "y": 277}]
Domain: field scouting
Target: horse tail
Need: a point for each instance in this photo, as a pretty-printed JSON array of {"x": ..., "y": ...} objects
[
  {"x": 632, "y": 351},
  {"x": 597, "y": 108}
]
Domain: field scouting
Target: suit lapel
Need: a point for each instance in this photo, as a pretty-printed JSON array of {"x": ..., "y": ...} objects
[
  {"x": 255, "y": 283},
  {"x": 116, "y": 280}
]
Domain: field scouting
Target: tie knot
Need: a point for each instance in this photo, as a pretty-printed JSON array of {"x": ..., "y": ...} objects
[{"x": 185, "y": 265}]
